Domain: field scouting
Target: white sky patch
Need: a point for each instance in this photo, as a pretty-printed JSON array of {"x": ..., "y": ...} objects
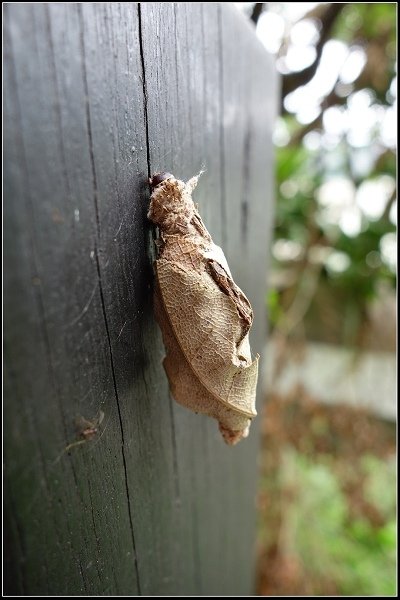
[
  {"x": 333, "y": 160},
  {"x": 281, "y": 65},
  {"x": 393, "y": 213},
  {"x": 360, "y": 100},
  {"x": 307, "y": 114},
  {"x": 338, "y": 191},
  {"x": 362, "y": 160},
  {"x": 388, "y": 127},
  {"x": 305, "y": 101},
  {"x": 286, "y": 250},
  {"x": 350, "y": 221},
  {"x": 270, "y": 30},
  {"x": 353, "y": 65},
  {"x": 305, "y": 107},
  {"x": 273, "y": 23},
  {"x": 280, "y": 135},
  {"x": 373, "y": 195},
  {"x": 362, "y": 118},
  {"x": 293, "y": 100},
  {"x": 304, "y": 33},
  {"x": 298, "y": 58},
  {"x": 312, "y": 141},
  {"x": 294, "y": 11},
  {"x": 337, "y": 262},
  {"x": 336, "y": 197},
  {"x": 301, "y": 52},
  {"x": 388, "y": 248},
  {"x": 335, "y": 120},
  {"x": 333, "y": 57},
  {"x": 393, "y": 87}
]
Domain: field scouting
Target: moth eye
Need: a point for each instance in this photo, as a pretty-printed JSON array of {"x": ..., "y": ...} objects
[{"x": 159, "y": 178}]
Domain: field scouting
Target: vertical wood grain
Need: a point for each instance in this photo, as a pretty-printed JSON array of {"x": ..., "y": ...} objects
[{"x": 97, "y": 96}]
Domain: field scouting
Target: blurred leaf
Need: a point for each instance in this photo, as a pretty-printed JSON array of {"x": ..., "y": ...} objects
[
  {"x": 273, "y": 305},
  {"x": 307, "y": 162},
  {"x": 358, "y": 556}
]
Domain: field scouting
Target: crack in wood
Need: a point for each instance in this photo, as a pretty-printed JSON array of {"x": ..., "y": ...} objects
[{"x": 103, "y": 305}]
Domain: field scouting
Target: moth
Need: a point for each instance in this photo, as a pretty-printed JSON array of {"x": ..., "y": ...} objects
[{"x": 204, "y": 316}]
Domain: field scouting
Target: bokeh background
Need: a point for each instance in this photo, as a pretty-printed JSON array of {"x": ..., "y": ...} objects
[{"x": 327, "y": 516}]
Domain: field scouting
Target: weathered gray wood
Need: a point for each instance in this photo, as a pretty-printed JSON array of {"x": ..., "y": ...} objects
[{"x": 97, "y": 96}]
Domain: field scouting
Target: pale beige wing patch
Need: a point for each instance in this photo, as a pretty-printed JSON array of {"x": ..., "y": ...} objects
[{"x": 209, "y": 330}]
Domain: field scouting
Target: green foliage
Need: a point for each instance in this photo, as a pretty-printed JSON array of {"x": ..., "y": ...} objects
[
  {"x": 299, "y": 217},
  {"x": 352, "y": 264},
  {"x": 273, "y": 305},
  {"x": 360, "y": 557},
  {"x": 377, "y": 490},
  {"x": 366, "y": 21}
]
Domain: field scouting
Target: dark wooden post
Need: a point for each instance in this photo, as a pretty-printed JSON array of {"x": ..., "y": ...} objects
[{"x": 98, "y": 96}]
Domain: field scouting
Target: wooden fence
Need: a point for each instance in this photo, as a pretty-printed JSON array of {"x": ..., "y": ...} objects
[{"x": 97, "y": 97}]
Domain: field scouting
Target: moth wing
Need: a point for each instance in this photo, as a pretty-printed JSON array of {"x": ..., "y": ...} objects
[{"x": 208, "y": 328}]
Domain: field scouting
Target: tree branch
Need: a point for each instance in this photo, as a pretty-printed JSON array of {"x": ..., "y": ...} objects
[
  {"x": 292, "y": 81},
  {"x": 256, "y": 12}
]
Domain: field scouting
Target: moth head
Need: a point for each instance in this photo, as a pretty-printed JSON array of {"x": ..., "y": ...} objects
[
  {"x": 159, "y": 178},
  {"x": 171, "y": 206}
]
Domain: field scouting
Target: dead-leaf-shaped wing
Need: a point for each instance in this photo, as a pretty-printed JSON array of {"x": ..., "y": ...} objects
[{"x": 209, "y": 330}]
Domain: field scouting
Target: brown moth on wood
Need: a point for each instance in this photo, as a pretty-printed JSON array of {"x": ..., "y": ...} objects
[{"x": 203, "y": 315}]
